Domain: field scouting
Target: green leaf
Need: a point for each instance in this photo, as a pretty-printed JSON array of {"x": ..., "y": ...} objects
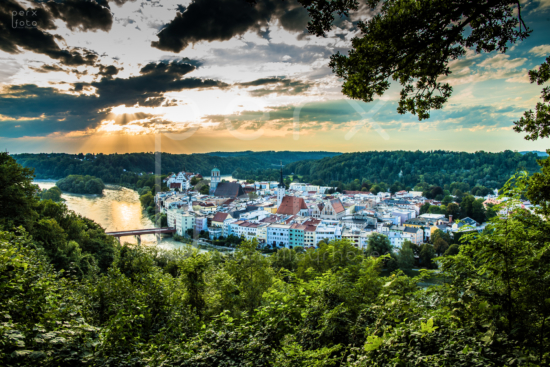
[{"x": 373, "y": 343}]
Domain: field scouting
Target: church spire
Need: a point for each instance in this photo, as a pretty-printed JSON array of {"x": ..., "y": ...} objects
[{"x": 281, "y": 182}]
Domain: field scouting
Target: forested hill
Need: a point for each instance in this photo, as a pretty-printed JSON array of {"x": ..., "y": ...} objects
[
  {"x": 273, "y": 157},
  {"x": 433, "y": 167},
  {"x": 110, "y": 167}
]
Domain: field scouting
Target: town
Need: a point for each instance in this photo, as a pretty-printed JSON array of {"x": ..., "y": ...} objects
[{"x": 302, "y": 215}]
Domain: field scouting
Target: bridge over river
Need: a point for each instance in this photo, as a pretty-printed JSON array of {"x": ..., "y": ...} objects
[{"x": 137, "y": 233}]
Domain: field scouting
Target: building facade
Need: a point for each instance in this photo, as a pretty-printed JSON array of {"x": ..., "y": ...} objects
[{"x": 278, "y": 235}]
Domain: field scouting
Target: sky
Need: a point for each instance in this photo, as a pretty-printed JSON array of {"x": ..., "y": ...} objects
[{"x": 223, "y": 75}]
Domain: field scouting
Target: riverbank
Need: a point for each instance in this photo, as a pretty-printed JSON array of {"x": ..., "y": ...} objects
[{"x": 118, "y": 209}]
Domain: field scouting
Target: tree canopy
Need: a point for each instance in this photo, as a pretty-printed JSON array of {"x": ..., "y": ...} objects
[
  {"x": 479, "y": 172},
  {"x": 79, "y": 184},
  {"x": 412, "y": 42}
]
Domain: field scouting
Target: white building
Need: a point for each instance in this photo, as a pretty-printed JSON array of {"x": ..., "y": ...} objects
[
  {"x": 330, "y": 209},
  {"x": 353, "y": 235},
  {"x": 403, "y": 214},
  {"x": 246, "y": 229},
  {"x": 227, "y": 228},
  {"x": 364, "y": 239},
  {"x": 182, "y": 178},
  {"x": 180, "y": 219},
  {"x": 433, "y": 217},
  {"x": 328, "y": 230},
  {"x": 278, "y": 234},
  {"x": 255, "y": 215}
]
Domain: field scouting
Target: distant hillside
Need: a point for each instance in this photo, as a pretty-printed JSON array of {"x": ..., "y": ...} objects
[
  {"x": 491, "y": 170},
  {"x": 273, "y": 157},
  {"x": 110, "y": 167},
  {"x": 537, "y": 152}
]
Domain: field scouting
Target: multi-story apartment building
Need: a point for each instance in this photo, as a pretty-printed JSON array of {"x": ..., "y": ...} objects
[
  {"x": 278, "y": 235},
  {"x": 247, "y": 230},
  {"x": 296, "y": 235},
  {"x": 309, "y": 235},
  {"x": 261, "y": 233},
  {"x": 201, "y": 224},
  {"x": 328, "y": 231},
  {"x": 180, "y": 219},
  {"x": 353, "y": 235}
]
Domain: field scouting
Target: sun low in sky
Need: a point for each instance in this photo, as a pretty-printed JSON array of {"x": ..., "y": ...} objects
[{"x": 226, "y": 75}]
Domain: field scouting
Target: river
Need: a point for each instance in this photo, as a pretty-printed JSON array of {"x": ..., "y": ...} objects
[{"x": 118, "y": 209}]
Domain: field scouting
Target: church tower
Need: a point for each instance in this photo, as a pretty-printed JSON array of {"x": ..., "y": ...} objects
[
  {"x": 214, "y": 180},
  {"x": 280, "y": 188}
]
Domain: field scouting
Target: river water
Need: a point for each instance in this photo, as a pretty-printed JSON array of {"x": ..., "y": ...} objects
[{"x": 118, "y": 209}]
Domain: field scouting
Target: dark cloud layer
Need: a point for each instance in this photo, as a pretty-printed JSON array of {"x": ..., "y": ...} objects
[
  {"x": 48, "y": 68},
  {"x": 276, "y": 86},
  {"x": 82, "y": 15},
  {"x": 16, "y": 36},
  {"x": 33, "y": 111},
  {"x": 108, "y": 71},
  {"x": 221, "y": 20}
]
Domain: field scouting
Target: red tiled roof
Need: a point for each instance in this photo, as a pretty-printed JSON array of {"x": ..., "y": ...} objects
[
  {"x": 312, "y": 221},
  {"x": 270, "y": 219},
  {"x": 337, "y": 205},
  {"x": 310, "y": 228},
  {"x": 290, "y": 219},
  {"x": 220, "y": 217},
  {"x": 175, "y": 185},
  {"x": 291, "y": 205},
  {"x": 228, "y": 201},
  {"x": 351, "y": 192}
]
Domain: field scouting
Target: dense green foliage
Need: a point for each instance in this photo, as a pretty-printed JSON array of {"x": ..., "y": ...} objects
[
  {"x": 352, "y": 170},
  {"x": 53, "y": 193},
  {"x": 78, "y": 184},
  {"x": 65, "y": 238},
  {"x": 112, "y": 168},
  {"x": 71, "y": 297},
  {"x": 537, "y": 124}
]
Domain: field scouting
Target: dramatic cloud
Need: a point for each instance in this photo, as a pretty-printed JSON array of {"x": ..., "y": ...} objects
[
  {"x": 221, "y": 20},
  {"x": 25, "y": 29},
  {"x": 108, "y": 71},
  {"x": 81, "y": 15},
  {"x": 29, "y": 110}
]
